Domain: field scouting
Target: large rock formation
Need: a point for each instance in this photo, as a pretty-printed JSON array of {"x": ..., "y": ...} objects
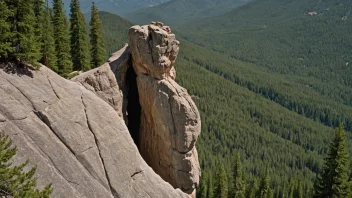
[
  {"x": 80, "y": 133},
  {"x": 79, "y": 142},
  {"x": 170, "y": 121}
]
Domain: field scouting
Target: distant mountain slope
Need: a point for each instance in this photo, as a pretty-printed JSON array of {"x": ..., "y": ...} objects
[
  {"x": 306, "y": 42},
  {"x": 115, "y": 31},
  {"x": 181, "y": 11},
  {"x": 116, "y": 6}
]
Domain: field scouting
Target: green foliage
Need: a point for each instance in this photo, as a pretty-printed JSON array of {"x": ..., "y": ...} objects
[
  {"x": 13, "y": 180},
  {"x": 5, "y": 33},
  {"x": 115, "y": 31},
  {"x": 79, "y": 42},
  {"x": 221, "y": 185},
  {"x": 203, "y": 186},
  {"x": 19, "y": 31},
  {"x": 333, "y": 181},
  {"x": 62, "y": 43},
  {"x": 45, "y": 34},
  {"x": 279, "y": 37},
  {"x": 96, "y": 39},
  {"x": 238, "y": 183},
  {"x": 264, "y": 190}
]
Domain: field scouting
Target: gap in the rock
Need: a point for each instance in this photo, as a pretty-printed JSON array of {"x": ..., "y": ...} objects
[{"x": 133, "y": 105}]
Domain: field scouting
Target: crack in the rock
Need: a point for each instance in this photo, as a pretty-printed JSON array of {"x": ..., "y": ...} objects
[
  {"x": 21, "y": 93},
  {"x": 52, "y": 87},
  {"x": 46, "y": 156},
  {"x": 18, "y": 119},
  {"x": 136, "y": 173},
  {"x": 45, "y": 120},
  {"x": 86, "y": 149},
  {"x": 112, "y": 190}
]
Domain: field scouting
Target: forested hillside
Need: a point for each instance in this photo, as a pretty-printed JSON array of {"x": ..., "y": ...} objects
[
  {"x": 176, "y": 12},
  {"x": 268, "y": 118},
  {"x": 115, "y": 30}
]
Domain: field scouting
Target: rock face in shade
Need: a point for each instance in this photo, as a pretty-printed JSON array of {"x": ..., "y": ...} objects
[
  {"x": 79, "y": 142},
  {"x": 170, "y": 121}
]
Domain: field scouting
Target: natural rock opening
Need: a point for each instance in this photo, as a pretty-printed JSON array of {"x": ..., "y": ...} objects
[{"x": 133, "y": 105}]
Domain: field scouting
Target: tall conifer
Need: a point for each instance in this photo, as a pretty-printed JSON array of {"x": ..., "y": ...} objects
[
  {"x": 5, "y": 33},
  {"x": 44, "y": 33},
  {"x": 264, "y": 186},
  {"x": 221, "y": 185},
  {"x": 203, "y": 186},
  {"x": 62, "y": 41},
  {"x": 96, "y": 39},
  {"x": 79, "y": 43},
  {"x": 22, "y": 26},
  {"x": 238, "y": 183},
  {"x": 333, "y": 181}
]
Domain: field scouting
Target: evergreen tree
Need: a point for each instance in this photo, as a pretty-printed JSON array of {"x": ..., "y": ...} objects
[
  {"x": 45, "y": 34},
  {"x": 333, "y": 181},
  {"x": 238, "y": 183},
  {"x": 203, "y": 186},
  {"x": 62, "y": 43},
  {"x": 48, "y": 48},
  {"x": 210, "y": 188},
  {"x": 5, "y": 33},
  {"x": 14, "y": 182},
  {"x": 79, "y": 43},
  {"x": 22, "y": 23},
  {"x": 299, "y": 190},
  {"x": 252, "y": 189},
  {"x": 221, "y": 185},
  {"x": 264, "y": 190},
  {"x": 96, "y": 39}
]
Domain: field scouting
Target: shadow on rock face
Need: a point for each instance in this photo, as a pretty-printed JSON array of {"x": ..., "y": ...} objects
[{"x": 18, "y": 69}]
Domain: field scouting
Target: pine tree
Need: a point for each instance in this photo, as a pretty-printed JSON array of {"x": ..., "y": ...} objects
[
  {"x": 221, "y": 185},
  {"x": 264, "y": 190},
  {"x": 22, "y": 25},
  {"x": 333, "y": 181},
  {"x": 14, "y": 181},
  {"x": 238, "y": 183},
  {"x": 96, "y": 39},
  {"x": 252, "y": 189},
  {"x": 62, "y": 43},
  {"x": 210, "y": 188},
  {"x": 203, "y": 186},
  {"x": 79, "y": 43},
  {"x": 45, "y": 35},
  {"x": 5, "y": 33},
  {"x": 299, "y": 190}
]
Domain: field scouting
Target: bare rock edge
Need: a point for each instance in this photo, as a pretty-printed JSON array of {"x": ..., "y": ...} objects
[{"x": 77, "y": 132}]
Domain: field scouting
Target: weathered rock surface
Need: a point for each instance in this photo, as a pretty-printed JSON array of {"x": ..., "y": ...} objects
[
  {"x": 79, "y": 142},
  {"x": 109, "y": 80},
  {"x": 170, "y": 121},
  {"x": 154, "y": 50}
]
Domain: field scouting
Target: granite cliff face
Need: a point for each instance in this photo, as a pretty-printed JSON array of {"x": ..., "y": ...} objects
[
  {"x": 125, "y": 129},
  {"x": 170, "y": 122}
]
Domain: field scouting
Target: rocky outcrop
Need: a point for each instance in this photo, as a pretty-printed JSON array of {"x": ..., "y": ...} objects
[
  {"x": 119, "y": 130},
  {"x": 170, "y": 122},
  {"x": 79, "y": 142}
]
